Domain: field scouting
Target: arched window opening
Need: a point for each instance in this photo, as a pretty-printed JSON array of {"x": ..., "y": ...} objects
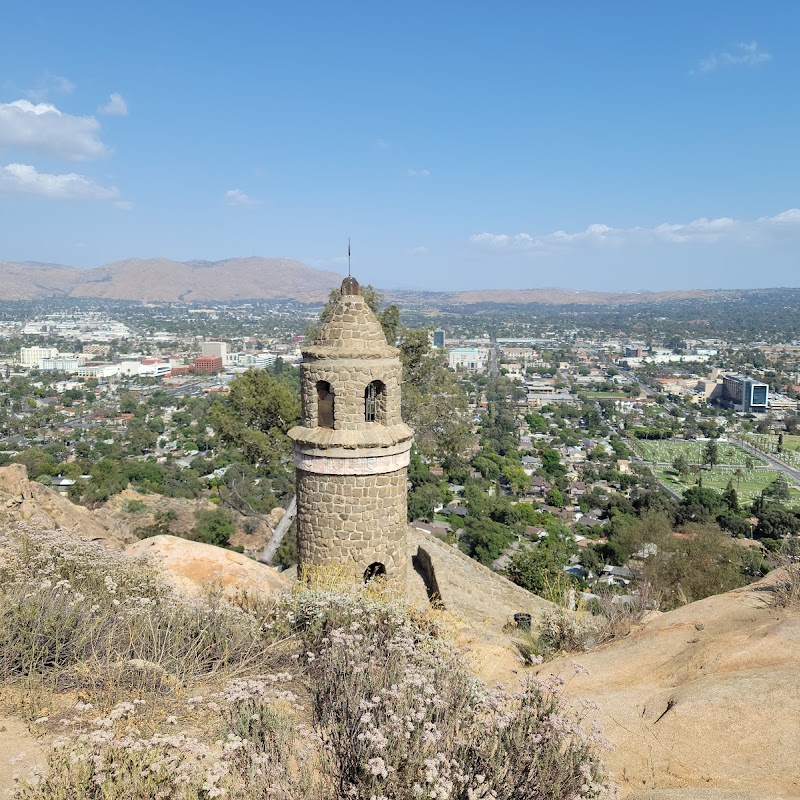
[
  {"x": 325, "y": 403},
  {"x": 374, "y": 402},
  {"x": 376, "y": 570}
]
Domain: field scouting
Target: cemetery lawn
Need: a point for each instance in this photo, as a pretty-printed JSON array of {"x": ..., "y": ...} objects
[{"x": 665, "y": 451}]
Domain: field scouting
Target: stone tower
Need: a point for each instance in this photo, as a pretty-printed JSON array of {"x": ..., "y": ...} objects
[{"x": 351, "y": 450}]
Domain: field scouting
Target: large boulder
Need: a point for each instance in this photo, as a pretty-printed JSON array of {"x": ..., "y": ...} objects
[
  {"x": 195, "y": 569},
  {"x": 704, "y": 699},
  {"x": 25, "y": 500}
]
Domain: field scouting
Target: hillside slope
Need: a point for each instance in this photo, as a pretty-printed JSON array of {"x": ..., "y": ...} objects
[
  {"x": 704, "y": 696},
  {"x": 162, "y": 279}
]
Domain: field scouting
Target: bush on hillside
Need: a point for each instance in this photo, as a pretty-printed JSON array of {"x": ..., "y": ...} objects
[{"x": 370, "y": 698}]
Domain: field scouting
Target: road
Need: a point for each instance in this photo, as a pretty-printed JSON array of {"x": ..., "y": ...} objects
[
  {"x": 791, "y": 473},
  {"x": 666, "y": 487},
  {"x": 668, "y": 404},
  {"x": 494, "y": 369}
]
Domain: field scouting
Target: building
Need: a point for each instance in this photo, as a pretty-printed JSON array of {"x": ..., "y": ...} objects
[
  {"x": 632, "y": 351},
  {"x": 214, "y": 349},
  {"x": 351, "y": 448},
  {"x": 745, "y": 394},
  {"x": 64, "y": 363},
  {"x": 780, "y": 402},
  {"x": 471, "y": 359},
  {"x": 99, "y": 371},
  {"x": 439, "y": 339},
  {"x": 31, "y": 356},
  {"x": 252, "y": 360},
  {"x": 208, "y": 364}
]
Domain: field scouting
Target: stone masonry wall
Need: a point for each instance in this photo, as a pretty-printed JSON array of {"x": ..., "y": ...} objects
[
  {"x": 353, "y": 519},
  {"x": 349, "y": 379}
]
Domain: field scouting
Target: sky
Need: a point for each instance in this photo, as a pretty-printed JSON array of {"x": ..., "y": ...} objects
[{"x": 618, "y": 145}]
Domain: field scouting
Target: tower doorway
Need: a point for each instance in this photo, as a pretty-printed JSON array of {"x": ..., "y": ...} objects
[{"x": 376, "y": 570}]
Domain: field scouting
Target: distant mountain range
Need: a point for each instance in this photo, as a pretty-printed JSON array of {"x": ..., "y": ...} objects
[
  {"x": 160, "y": 279},
  {"x": 559, "y": 297},
  {"x": 256, "y": 278}
]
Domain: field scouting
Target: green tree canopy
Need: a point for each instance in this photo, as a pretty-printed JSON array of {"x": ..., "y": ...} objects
[
  {"x": 434, "y": 403},
  {"x": 255, "y": 417}
]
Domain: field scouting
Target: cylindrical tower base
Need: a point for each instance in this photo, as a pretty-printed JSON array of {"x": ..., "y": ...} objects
[{"x": 355, "y": 521}]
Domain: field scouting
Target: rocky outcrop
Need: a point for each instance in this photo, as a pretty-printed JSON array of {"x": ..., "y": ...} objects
[
  {"x": 702, "y": 701},
  {"x": 28, "y": 501},
  {"x": 195, "y": 569},
  {"x": 482, "y": 597}
]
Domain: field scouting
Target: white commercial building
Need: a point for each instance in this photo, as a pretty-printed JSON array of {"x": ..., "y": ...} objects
[
  {"x": 255, "y": 360},
  {"x": 31, "y": 356},
  {"x": 140, "y": 370},
  {"x": 219, "y": 349},
  {"x": 472, "y": 359},
  {"x": 61, "y": 364},
  {"x": 98, "y": 371}
]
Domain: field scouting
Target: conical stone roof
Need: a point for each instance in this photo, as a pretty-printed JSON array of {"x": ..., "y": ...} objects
[{"x": 351, "y": 331}]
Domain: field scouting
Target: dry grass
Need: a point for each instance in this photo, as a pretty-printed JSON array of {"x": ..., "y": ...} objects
[
  {"x": 787, "y": 588},
  {"x": 334, "y": 691}
]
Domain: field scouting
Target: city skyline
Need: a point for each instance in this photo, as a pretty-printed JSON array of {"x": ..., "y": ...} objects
[{"x": 645, "y": 148}]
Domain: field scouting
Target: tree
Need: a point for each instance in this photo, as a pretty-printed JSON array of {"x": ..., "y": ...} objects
[
  {"x": 38, "y": 462},
  {"x": 702, "y": 563},
  {"x": 551, "y": 464},
  {"x": 434, "y": 403},
  {"x": 484, "y": 539},
  {"x": 555, "y": 498},
  {"x": 140, "y": 436},
  {"x": 711, "y": 453},
  {"x": 540, "y": 569},
  {"x": 518, "y": 480},
  {"x": 422, "y": 501},
  {"x": 255, "y": 417},
  {"x": 213, "y": 527},
  {"x": 776, "y": 523},
  {"x": 779, "y": 489},
  {"x": 536, "y": 422},
  {"x": 681, "y": 465},
  {"x": 731, "y": 498}
]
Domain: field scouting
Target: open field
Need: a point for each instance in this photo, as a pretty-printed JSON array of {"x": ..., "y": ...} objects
[
  {"x": 667, "y": 450},
  {"x": 748, "y": 485}
]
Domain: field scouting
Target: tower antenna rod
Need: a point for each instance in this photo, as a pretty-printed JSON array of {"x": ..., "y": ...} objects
[{"x": 348, "y": 258}]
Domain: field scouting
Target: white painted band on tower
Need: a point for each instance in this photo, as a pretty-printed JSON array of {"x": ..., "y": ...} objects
[{"x": 372, "y": 465}]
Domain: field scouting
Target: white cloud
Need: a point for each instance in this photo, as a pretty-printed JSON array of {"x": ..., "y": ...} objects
[
  {"x": 702, "y": 230},
  {"x": 236, "y": 197},
  {"x": 419, "y": 173},
  {"x": 382, "y": 144},
  {"x": 50, "y": 84},
  {"x": 42, "y": 128},
  {"x": 744, "y": 53},
  {"x": 115, "y": 107},
  {"x": 25, "y": 179},
  {"x": 421, "y": 250}
]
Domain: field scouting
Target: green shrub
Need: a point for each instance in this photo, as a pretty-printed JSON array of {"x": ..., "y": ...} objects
[
  {"x": 135, "y": 506},
  {"x": 214, "y": 527}
]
